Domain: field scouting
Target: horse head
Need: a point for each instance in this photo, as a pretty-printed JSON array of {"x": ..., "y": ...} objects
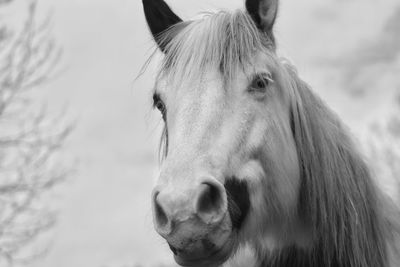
[
  {"x": 227, "y": 123},
  {"x": 250, "y": 154}
]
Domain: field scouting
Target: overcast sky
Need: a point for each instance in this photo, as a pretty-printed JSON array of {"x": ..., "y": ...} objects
[{"x": 105, "y": 217}]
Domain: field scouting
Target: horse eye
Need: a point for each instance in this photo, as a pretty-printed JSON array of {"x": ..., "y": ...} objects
[
  {"x": 159, "y": 104},
  {"x": 261, "y": 82}
]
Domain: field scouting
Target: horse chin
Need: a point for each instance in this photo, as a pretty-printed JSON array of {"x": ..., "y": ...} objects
[{"x": 214, "y": 258}]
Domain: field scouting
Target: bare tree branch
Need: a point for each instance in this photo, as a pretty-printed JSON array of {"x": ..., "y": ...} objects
[
  {"x": 30, "y": 140},
  {"x": 3, "y": 2}
]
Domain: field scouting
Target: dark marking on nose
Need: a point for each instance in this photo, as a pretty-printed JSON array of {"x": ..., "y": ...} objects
[{"x": 238, "y": 201}]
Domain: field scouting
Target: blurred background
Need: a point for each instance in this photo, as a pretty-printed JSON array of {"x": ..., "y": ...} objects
[{"x": 78, "y": 137}]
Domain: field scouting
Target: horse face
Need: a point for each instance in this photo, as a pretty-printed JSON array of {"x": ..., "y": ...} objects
[
  {"x": 231, "y": 168},
  {"x": 231, "y": 165}
]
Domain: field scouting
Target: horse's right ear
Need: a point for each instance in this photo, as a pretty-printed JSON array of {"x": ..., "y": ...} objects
[
  {"x": 159, "y": 17},
  {"x": 264, "y": 13}
]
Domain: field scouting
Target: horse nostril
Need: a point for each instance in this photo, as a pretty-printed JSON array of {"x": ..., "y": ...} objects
[
  {"x": 210, "y": 202},
  {"x": 160, "y": 215}
]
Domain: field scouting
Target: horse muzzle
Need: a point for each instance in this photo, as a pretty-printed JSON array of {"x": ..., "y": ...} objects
[{"x": 195, "y": 222}]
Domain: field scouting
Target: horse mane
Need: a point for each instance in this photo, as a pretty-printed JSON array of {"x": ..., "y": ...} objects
[{"x": 353, "y": 223}]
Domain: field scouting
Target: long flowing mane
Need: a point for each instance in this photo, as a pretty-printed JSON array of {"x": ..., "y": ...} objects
[{"x": 353, "y": 224}]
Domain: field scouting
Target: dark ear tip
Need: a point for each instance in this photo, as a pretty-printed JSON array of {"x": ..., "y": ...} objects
[
  {"x": 263, "y": 12},
  {"x": 153, "y": 3},
  {"x": 159, "y": 17},
  {"x": 149, "y": 2}
]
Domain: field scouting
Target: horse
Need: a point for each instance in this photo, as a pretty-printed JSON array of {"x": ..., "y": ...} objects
[{"x": 252, "y": 157}]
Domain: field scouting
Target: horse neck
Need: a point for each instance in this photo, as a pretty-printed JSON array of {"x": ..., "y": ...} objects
[
  {"x": 353, "y": 224},
  {"x": 293, "y": 256},
  {"x": 296, "y": 257}
]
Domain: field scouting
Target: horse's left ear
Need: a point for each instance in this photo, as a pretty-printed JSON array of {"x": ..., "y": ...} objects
[
  {"x": 264, "y": 13},
  {"x": 159, "y": 17}
]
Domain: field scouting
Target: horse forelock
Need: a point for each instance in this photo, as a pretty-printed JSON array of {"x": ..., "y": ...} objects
[
  {"x": 338, "y": 197},
  {"x": 225, "y": 41}
]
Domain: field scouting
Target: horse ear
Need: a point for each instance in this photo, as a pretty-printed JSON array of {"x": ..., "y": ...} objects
[
  {"x": 264, "y": 13},
  {"x": 159, "y": 18}
]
